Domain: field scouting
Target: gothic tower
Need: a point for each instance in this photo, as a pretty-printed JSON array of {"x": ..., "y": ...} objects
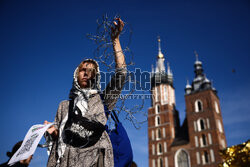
[
  {"x": 162, "y": 124},
  {"x": 204, "y": 118},
  {"x": 198, "y": 140}
]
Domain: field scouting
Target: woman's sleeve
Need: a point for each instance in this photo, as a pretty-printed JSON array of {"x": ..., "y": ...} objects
[
  {"x": 113, "y": 89},
  {"x": 58, "y": 118}
]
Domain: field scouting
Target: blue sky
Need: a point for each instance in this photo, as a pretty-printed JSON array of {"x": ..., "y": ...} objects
[{"x": 41, "y": 43}]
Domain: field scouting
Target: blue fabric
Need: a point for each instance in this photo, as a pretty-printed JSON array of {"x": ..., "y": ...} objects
[
  {"x": 123, "y": 154},
  {"x": 122, "y": 150}
]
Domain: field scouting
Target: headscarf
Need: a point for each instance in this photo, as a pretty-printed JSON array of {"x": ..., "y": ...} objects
[{"x": 80, "y": 97}]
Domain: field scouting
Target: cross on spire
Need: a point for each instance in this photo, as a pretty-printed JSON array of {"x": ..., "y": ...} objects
[{"x": 196, "y": 55}]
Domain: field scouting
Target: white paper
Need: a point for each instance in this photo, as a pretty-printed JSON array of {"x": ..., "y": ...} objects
[{"x": 30, "y": 143}]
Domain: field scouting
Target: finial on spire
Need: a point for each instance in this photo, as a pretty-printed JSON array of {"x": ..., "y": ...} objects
[
  {"x": 160, "y": 55},
  {"x": 188, "y": 82},
  {"x": 196, "y": 55}
]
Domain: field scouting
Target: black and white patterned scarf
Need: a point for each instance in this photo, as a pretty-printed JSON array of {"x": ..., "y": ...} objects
[{"x": 80, "y": 97}]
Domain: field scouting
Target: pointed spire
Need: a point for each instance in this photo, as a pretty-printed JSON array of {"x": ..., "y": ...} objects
[
  {"x": 196, "y": 55},
  {"x": 188, "y": 83},
  {"x": 188, "y": 88},
  {"x": 159, "y": 44},
  {"x": 169, "y": 72},
  {"x": 197, "y": 58},
  {"x": 160, "y": 55}
]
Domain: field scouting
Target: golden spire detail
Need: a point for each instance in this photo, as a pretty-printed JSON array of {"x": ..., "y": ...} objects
[{"x": 160, "y": 55}]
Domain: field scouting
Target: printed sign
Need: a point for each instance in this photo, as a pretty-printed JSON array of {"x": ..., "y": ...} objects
[{"x": 30, "y": 143}]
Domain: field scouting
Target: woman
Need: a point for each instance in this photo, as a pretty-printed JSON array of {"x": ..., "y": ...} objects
[{"x": 87, "y": 103}]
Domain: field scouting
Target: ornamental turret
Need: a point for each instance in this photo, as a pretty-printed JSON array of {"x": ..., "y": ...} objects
[{"x": 200, "y": 81}]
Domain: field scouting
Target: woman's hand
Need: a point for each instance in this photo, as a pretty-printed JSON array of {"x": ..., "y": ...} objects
[
  {"x": 51, "y": 130},
  {"x": 117, "y": 28}
]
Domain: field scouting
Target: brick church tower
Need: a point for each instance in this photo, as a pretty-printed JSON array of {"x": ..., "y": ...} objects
[{"x": 198, "y": 140}]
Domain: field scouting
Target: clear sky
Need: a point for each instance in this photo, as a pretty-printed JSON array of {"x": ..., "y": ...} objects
[{"x": 41, "y": 43}]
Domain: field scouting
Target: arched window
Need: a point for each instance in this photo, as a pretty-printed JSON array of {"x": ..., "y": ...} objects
[
  {"x": 160, "y": 162},
  {"x": 182, "y": 158},
  {"x": 201, "y": 124},
  {"x": 198, "y": 106},
  {"x": 204, "y": 140},
  {"x": 216, "y": 107},
  {"x": 157, "y": 120},
  {"x": 158, "y": 133},
  {"x": 157, "y": 109},
  {"x": 159, "y": 148},
  {"x": 206, "y": 157}
]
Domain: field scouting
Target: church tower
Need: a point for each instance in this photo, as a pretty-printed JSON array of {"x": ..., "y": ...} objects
[
  {"x": 162, "y": 124},
  {"x": 204, "y": 120},
  {"x": 198, "y": 140}
]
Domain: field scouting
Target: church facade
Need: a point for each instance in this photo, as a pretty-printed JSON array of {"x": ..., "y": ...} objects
[{"x": 200, "y": 137}]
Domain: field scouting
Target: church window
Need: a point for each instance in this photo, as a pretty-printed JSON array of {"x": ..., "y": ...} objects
[
  {"x": 195, "y": 126},
  {"x": 157, "y": 109},
  {"x": 158, "y": 133},
  {"x": 209, "y": 138},
  {"x": 196, "y": 141},
  {"x": 159, "y": 148},
  {"x": 160, "y": 162},
  {"x": 173, "y": 135},
  {"x": 201, "y": 124},
  {"x": 204, "y": 140},
  {"x": 216, "y": 107},
  {"x": 153, "y": 135},
  {"x": 198, "y": 106},
  {"x": 219, "y": 126},
  {"x": 153, "y": 149},
  {"x": 181, "y": 158},
  {"x": 163, "y": 133},
  {"x": 206, "y": 157},
  {"x": 212, "y": 155},
  {"x": 166, "y": 161},
  {"x": 208, "y": 123},
  {"x": 153, "y": 163},
  {"x": 198, "y": 157},
  {"x": 165, "y": 147},
  {"x": 157, "y": 120}
]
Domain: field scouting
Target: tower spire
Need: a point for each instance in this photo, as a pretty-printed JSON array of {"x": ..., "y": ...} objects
[
  {"x": 160, "y": 55},
  {"x": 196, "y": 55}
]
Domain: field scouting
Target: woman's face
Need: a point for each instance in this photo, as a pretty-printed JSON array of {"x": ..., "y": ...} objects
[{"x": 85, "y": 74}]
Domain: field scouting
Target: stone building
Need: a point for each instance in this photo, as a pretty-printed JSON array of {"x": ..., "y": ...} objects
[{"x": 200, "y": 137}]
